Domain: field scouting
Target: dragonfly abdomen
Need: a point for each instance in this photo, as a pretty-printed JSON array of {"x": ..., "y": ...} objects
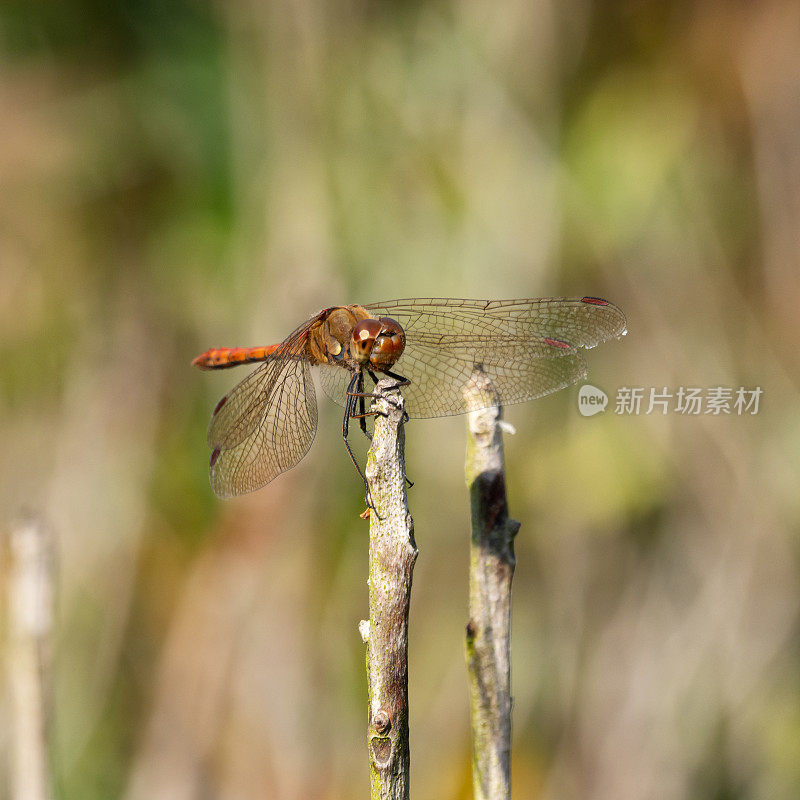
[{"x": 223, "y": 357}]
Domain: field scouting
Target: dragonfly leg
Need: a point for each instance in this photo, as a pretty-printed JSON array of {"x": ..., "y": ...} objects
[
  {"x": 402, "y": 381},
  {"x": 362, "y": 411},
  {"x": 362, "y": 418},
  {"x": 350, "y": 407}
]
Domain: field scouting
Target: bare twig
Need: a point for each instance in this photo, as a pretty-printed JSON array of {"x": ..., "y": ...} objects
[
  {"x": 30, "y": 606},
  {"x": 492, "y": 561},
  {"x": 392, "y": 553}
]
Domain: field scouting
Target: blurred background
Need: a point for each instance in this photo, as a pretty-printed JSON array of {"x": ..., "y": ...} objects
[{"x": 183, "y": 174}]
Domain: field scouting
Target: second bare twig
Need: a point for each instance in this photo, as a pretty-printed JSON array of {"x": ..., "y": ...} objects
[{"x": 488, "y": 635}]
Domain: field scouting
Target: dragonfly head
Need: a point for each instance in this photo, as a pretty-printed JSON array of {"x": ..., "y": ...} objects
[{"x": 378, "y": 343}]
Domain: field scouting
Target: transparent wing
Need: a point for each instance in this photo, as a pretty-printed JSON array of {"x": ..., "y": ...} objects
[
  {"x": 520, "y": 370},
  {"x": 240, "y": 411},
  {"x": 528, "y": 348},
  {"x": 278, "y": 437},
  {"x": 582, "y": 321},
  {"x": 266, "y": 423},
  {"x": 334, "y": 382},
  {"x": 441, "y": 373}
]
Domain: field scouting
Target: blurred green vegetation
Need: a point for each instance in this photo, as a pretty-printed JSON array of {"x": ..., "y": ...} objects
[{"x": 178, "y": 175}]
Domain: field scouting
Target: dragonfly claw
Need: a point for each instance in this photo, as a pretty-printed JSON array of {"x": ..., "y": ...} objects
[{"x": 370, "y": 509}]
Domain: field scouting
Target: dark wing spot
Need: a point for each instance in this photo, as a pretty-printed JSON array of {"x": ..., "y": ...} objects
[
  {"x": 214, "y": 456},
  {"x": 220, "y": 404},
  {"x": 595, "y": 301},
  {"x": 558, "y": 343}
]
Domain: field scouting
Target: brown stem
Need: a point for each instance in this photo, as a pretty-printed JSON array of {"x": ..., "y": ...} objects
[
  {"x": 392, "y": 553},
  {"x": 488, "y": 634}
]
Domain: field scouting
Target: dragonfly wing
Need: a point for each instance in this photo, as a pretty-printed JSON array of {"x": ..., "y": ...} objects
[
  {"x": 266, "y": 423},
  {"x": 441, "y": 374},
  {"x": 528, "y": 348},
  {"x": 584, "y": 322},
  {"x": 273, "y": 430},
  {"x": 334, "y": 381},
  {"x": 243, "y": 409},
  {"x": 240, "y": 412}
]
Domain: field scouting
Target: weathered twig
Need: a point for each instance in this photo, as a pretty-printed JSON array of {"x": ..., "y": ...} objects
[
  {"x": 30, "y": 605},
  {"x": 492, "y": 561},
  {"x": 392, "y": 553}
]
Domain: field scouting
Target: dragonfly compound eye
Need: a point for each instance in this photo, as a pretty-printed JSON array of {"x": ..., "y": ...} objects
[
  {"x": 364, "y": 335},
  {"x": 389, "y": 344}
]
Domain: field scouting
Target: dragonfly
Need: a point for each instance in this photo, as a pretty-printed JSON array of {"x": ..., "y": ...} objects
[{"x": 433, "y": 347}]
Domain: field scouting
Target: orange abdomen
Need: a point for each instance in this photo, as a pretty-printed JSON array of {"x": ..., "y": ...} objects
[{"x": 223, "y": 357}]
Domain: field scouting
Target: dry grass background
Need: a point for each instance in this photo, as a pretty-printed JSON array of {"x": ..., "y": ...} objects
[{"x": 182, "y": 174}]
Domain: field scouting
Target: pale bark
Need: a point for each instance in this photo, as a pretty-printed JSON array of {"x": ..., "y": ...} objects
[
  {"x": 30, "y": 605},
  {"x": 488, "y": 634},
  {"x": 392, "y": 553}
]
